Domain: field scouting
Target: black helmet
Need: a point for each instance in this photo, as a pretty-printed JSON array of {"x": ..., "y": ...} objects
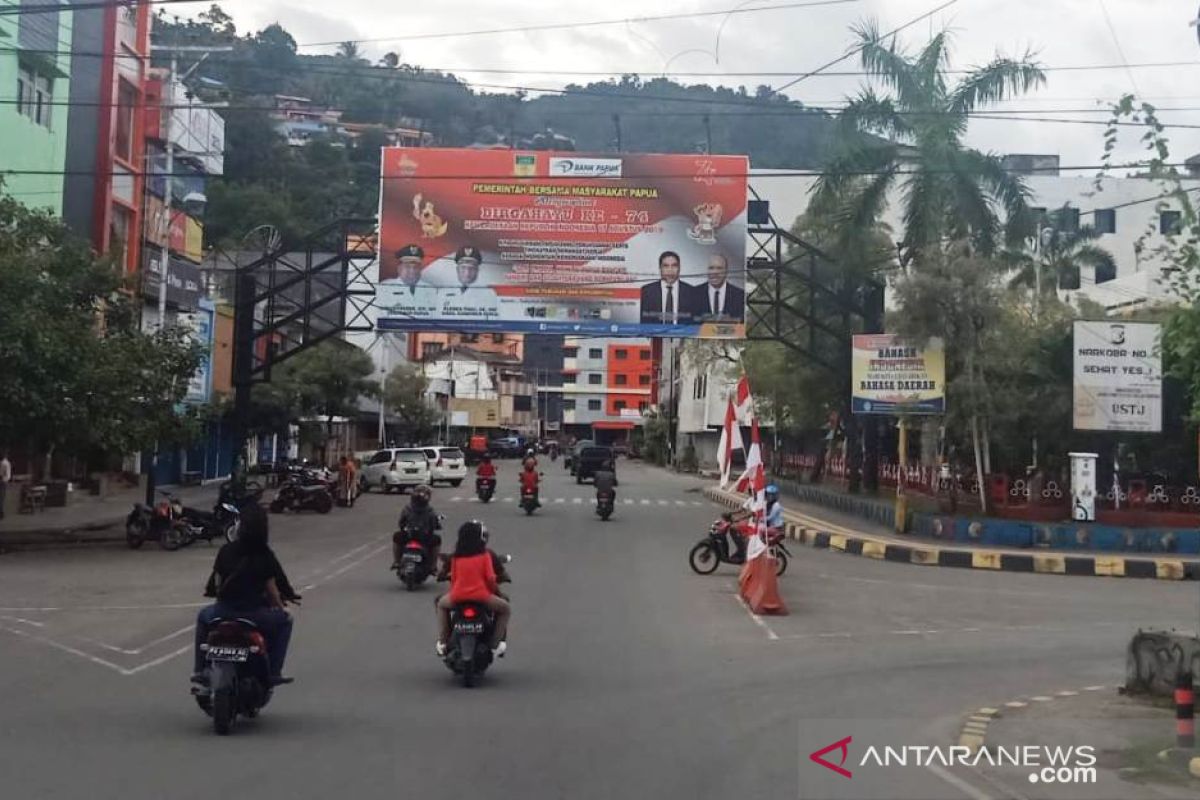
[{"x": 421, "y": 495}]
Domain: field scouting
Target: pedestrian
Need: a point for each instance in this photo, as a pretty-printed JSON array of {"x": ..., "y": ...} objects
[{"x": 5, "y": 479}]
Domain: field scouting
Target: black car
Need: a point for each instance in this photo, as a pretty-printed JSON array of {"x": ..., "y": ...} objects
[{"x": 589, "y": 460}]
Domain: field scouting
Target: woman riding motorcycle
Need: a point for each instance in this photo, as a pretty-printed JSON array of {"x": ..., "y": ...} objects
[
  {"x": 473, "y": 578},
  {"x": 249, "y": 582}
]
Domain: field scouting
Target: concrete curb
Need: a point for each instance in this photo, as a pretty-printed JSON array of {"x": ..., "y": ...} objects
[
  {"x": 975, "y": 729},
  {"x": 92, "y": 533},
  {"x": 865, "y": 544}
]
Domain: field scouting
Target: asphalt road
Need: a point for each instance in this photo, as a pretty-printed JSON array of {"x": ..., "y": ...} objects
[{"x": 627, "y": 676}]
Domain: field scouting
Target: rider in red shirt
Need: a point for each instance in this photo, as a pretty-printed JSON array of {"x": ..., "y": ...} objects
[
  {"x": 485, "y": 469},
  {"x": 529, "y": 478},
  {"x": 473, "y": 578}
]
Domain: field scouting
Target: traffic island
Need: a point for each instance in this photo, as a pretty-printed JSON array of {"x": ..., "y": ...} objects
[{"x": 817, "y": 533}]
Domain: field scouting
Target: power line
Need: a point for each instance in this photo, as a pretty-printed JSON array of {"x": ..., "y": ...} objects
[
  {"x": 1117, "y": 41},
  {"x": 586, "y": 24}
]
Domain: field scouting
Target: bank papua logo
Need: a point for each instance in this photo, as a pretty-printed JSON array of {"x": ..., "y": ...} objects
[{"x": 585, "y": 167}]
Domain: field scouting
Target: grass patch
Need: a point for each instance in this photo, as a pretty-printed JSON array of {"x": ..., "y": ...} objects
[{"x": 1143, "y": 765}]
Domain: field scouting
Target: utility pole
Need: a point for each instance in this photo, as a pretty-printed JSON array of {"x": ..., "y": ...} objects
[{"x": 384, "y": 371}]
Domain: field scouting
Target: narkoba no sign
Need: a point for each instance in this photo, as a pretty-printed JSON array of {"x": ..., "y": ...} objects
[
  {"x": 892, "y": 376},
  {"x": 1118, "y": 377}
]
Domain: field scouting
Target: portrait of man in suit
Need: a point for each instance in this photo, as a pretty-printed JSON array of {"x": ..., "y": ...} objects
[
  {"x": 668, "y": 300},
  {"x": 720, "y": 299}
]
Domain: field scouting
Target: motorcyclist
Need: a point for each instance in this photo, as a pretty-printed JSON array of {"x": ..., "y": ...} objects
[
  {"x": 530, "y": 477},
  {"x": 772, "y": 516},
  {"x": 249, "y": 583},
  {"x": 486, "y": 469},
  {"x": 605, "y": 478},
  {"x": 774, "y": 513},
  {"x": 419, "y": 521},
  {"x": 473, "y": 578},
  {"x": 530, "y": 460}
]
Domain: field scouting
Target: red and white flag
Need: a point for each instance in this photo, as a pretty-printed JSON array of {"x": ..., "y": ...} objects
[
  {"x": 756, "y": 483},
  {"x": 743, "y": 402},
  {"x": 731, "y": 439}
]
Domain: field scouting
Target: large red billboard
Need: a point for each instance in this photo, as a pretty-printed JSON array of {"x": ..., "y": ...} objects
[{"x": 614, "y": 244}]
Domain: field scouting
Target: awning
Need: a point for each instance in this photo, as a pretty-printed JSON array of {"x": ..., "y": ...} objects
[{"x": 604, "y": 425}]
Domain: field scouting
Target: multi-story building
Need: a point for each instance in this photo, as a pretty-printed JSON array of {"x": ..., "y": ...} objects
[
  {"x": 33, "y": 129},
  {"x": 103, "y": 193},
  {"x": 607, "y": 386}
]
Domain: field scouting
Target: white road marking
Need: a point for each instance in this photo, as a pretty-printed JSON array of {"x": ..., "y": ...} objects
[
  {"x": 1066, "y": 693},
  {"x": 578, "y": 501},
  {"x": 157, "y": 661},
  {"x": 759, "y": 621},
  {"x": 645, "y": 502},
  {"x": 65, "y": 648},
  {"x": 560, "y": 499},
  {"x": 1041, "y": 699},
  {"x": 680, "y": 503},
  {"x": 456, "y": 499},
  {"x": 958, "y": 783},
  {"x": 628, "y": 501},
  {"x": 25, "y": 621},
  {"x": 506, "y": 500},
  {"x": 663, "y": 502},
  {"x": 1094, "y": 688}
]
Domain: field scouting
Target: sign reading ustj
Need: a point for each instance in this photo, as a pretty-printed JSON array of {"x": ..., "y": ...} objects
[
  {"x": 543, "y": 242},
  {"x": 1118, "y": 377},
  {"x": 892, "y": 376}
]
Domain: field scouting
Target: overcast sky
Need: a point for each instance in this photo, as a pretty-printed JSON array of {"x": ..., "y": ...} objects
[{"x": 1061, "y": 32}]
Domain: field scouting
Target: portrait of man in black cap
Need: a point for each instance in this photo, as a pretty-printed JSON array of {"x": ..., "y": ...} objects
[
  {"x": 466, "y": 264},
  {"x": 411, "y": 257}
]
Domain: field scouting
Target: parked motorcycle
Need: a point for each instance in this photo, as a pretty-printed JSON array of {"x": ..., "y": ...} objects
[
  {"x": 175, "y": 525},
  {"x": 713, "y": 550},
  {"x": 468, "y": 653},
  {"x": 239, "y": 673},
  {"x": 529, "y": 501},
  {"x": 294, "y": 495},
  {"x": 605, "y": 502},
  {"x": 484, "y": 489}
]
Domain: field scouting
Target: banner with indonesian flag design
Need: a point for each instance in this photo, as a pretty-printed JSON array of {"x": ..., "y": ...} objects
[{"x": 554, "y": 242}]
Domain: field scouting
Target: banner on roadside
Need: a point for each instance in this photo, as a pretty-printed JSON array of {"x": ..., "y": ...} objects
[
  {"x": 568, "y": 243},
  {"x": 893, "y": 376},
  {"x": 1118, "y": 377}
]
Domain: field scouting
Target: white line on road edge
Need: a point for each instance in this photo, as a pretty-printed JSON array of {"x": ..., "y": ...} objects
[
  {"x": 65, "y": 648},
  {"x": 958, "y": 783},
  {"x": 759, "y": 621},
  {"x": 25, "y": 621},
  {"x": 157, "y": 661}
]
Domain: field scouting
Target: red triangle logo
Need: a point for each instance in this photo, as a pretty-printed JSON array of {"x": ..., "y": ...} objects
[{"x": 844, "y": 747}]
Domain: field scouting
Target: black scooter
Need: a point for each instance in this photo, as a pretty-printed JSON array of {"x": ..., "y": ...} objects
[
  {"x": 239, "y": 673},
  {"x": 175, "y": 525},
  {"x": 295, "y": 496},
  {"x": 468, "y": 653},
  {"x": 485, "y": 488},
  {"x": 529, "y": 501},
  {"x": 605, "y": 501},
  {"x": 415, "y": 565}
]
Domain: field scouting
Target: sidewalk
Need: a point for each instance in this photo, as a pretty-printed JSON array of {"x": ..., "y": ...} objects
[
  {"x": 88, "y": 519},
  {"x": 821, "y": 528}
]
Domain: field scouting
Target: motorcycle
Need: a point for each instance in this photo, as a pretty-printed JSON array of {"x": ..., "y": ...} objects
[
  {"x": 529, "y": 501},
  {"x": 175, "y": 525},
  {"x": 297, "y": 496},
  {"x": 239, "y": 674},
  {"x": 713, "y": 550},
  {"x": 415, "y": 565},
  {"x": 485, "y": 488},
  {"x": 604, "y": 504},
  {"x": 468, "y": 653}
]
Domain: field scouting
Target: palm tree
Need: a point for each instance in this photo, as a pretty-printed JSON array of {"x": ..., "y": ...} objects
[
  {"x": 1061, "y": 248},
  {"x": 951, "y": 192},
  {"x": 349, "y": 51}
]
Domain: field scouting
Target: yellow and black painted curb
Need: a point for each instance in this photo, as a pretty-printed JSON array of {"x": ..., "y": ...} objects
[
  {"x": 974, "y": 731},
  {"x": 862, "y": 544}
]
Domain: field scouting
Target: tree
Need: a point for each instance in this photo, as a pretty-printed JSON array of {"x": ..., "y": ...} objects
[
  {"x": 390, "y": 60},
  {"x": 1061, "y": 248},
  {"x": 329, "y": 379},
  {"x": 349, "y": 51},
  {"x": 404, "y": 395},
  {"x": 80, "y": 376},
  {"x": 949, "y": 189}
]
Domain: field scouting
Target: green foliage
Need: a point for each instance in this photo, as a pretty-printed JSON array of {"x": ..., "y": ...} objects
[
  {"x": 404, "y": 396},
  {"x": 951, "y": 191},
  {"x": 1062, "y": 248},
  {"x": 656, "y": 437},
  {"x": 79, "y": 374},
  {"x": 329, "y": 379}
]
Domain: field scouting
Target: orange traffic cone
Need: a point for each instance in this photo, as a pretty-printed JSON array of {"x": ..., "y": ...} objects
[{"x": 760, "y": 588}]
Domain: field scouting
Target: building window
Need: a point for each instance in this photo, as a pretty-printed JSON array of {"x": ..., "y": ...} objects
[
  {"x": 430, "y": 349},
  {"x": 643, "y": 380},
  {"x": 595, "y": 379},
  {"x": 35, "y": 95},
  {"x": 568, "y": 405},
  {"x": 622, "y": 380},
  {"x": 570, "y": 352},
  {"x": 619, "y": 405},
  {"x": 569, "y": 380},
  {"x": 593, "y": 405},
  {"x": 497, "y": 338},
  {"x": 1106, "y": 274},
  {"x": 126, "y": 105},
  {"x": 1169, "y": 222},
  {"x": 596, "y": 353},
  {"x": 469, "y": 338},
  {"x": 700, "y": 387},
  {"x": 644, "y": 355},
  {"x": 1106, "y": 220},
  {"x": 622, "y": 354}
]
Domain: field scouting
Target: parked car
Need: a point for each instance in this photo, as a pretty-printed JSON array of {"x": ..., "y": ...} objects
[
  {"x": 395, "y": 468},
  {"x": 446, "y": 464},
  {"x": 506, "y": 447},
  {"x": 589, "y": 460},
  {"x": 572, "y": 456}
]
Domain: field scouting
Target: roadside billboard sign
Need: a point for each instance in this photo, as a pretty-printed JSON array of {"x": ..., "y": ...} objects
[
  {"x": 545, "y": 242},
  {"x": 893, "y": 376},
  {"x": 1118, "y": 376}
]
